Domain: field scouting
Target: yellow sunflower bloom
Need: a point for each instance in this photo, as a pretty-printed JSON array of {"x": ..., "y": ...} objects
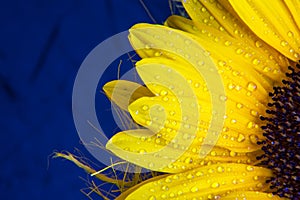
[
  {"x": 250, "y": 44},
  {"x": 218, "y": 119}
]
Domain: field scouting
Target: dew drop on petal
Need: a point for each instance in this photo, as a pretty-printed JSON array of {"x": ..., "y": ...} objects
[
  {"x": 145, "y": 108},
  {"x": 232, "y": 153},
  {"x": 152, "y": 198},
  {"x": 194, "y": 189},
  {"x": 251, "y": 86},
  {"x": 258, "y": 44},
  {"x": 253, "y": 139},
  {"x": 249, "y": 168},
  {"x": 241, "y": 138},
  {"x": 215, "y": 185},
  {"x": 220, "y": 169},
  {"x": 254, "y": 113},
  {"x": 284, "y": 43},
  {"x": 239, "y": 105}
]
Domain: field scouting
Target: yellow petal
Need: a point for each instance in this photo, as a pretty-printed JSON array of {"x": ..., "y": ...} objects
[
  {"x": 294, "y": 7},
  {"x": 228, "y": 24},
  {"x": 205, "y": 182},
  {"x": 142, "y": 147},
  {"x": 273, "y": 24},
  {"x": 124, "y": 92}
]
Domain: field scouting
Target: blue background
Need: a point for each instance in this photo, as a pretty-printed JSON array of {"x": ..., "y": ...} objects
[{"x": 42, "y": 44}]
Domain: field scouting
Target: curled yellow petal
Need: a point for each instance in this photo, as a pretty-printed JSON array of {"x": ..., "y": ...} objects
[{"x": 124, "y": 92}]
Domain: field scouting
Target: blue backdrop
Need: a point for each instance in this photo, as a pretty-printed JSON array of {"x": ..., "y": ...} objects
[{"x": 42, "y": 44}]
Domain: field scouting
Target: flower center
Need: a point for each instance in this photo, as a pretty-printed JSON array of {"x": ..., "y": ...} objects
[{"x": 282, "y": 132}]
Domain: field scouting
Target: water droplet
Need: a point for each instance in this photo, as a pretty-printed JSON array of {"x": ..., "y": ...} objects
[
  {"x": 290, "y": 34},
  {"x": 284, "y": 43},
  {"x": 200, "y": 63},
  {"x": 259, "y": 185},
  {"x": 165, "y": 188},
  {"x": 258, "y": 44},
  {"x": 168, "y": 180},
  {"x": 233, "y": 121},
  {"x": 165, "y": 98},
  {"x": 148, "y": 122},
  {"x": 188, "y": 160},
  {"x": 157, "y": 141},
  {"x": 187, "y": 126},
  {"x": 238, "y": 88},
  {"x": 194, "y": 189},
  {"x": 207, "y": 53},
  {"x": 250, "y": 125},
  {"x": 267, "y": 69},
  {"x": 196, "y": 85},
  {"x": 251, "y": 86},
  {"x": 172, "y": 113},
  {"x": 241, "y": 138},
  {"x": 255, "y": 61},
  {"x": 248, "y": 55},
  {"x": 215, "y": 185},
  {"x": 220, "y": 169},
  {"x": 225, "y": 129},
  {"x": 223, "y": 98},
  {"x": 160, "y": 109},
  {"x": 157, "y": 54},
  {"x": 152, "y": 198},
  {"x": 142, "y": 151},
  {"x": 187, "y": 42},
  {"x": 163, "y": 92},
  {"x": 254, "y": 113},
  {"x": 227, "y": 43},
  {"x": 249, "y": 168},
  {"x": 147, "y": 46},
  {"x": 152, "y": 190},
  {"x": 239, "y": 105},
  {"x": 185, "y": 118},
  {"x": 235, "y": 73},
  {"x": 222, "y": 63},
  {"x": 213, "y": 153},
  {"x": 231, "y": 86},
  {"x": 239, "y": 51},
  {"x": 150, "y": 165},
  {"x": 172, "y": 195},
  {"x": 270, "y": 195},
  {"x": 145, "y": 107},
  {"x": 232, "y": 153},
  {"x": 253, "y": 139},
  {"x": 199, "y": 173},
  {"x": 203, "y": 9}
]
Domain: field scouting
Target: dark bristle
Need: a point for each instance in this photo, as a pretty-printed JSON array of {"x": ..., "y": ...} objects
[{"x": 282, "y": 133}]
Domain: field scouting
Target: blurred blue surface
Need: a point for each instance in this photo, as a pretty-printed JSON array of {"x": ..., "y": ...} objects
[{"x": 42, "y": 44}]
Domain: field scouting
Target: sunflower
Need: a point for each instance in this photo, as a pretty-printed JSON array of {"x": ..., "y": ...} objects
[{"x": 219, "y": 108}]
